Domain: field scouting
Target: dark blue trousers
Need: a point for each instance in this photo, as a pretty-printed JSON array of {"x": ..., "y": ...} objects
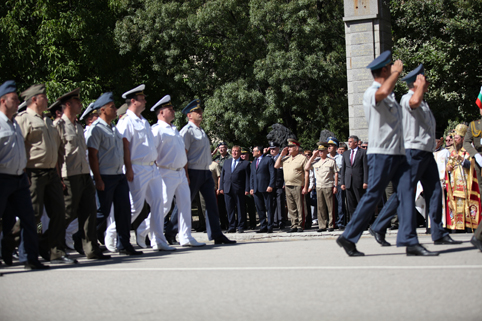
[
  {"x": 15, "y": 201},
  {"x": 202, "y": 181},
  {"x": 116, "y": 191},
  {"x": 423, "y": 168},
  {"x": 382, "y": 169},
  {"x": 265, "y": 205},
  {"x": 279, "y": 200},
  {"x": 340, "y": 206},
  {"x": 235, "y": 200}
]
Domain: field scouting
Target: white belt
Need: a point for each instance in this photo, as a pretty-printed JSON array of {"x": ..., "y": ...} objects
[
  {"x": 143, "y": 163},
  {"x": 172, "y": 169}
]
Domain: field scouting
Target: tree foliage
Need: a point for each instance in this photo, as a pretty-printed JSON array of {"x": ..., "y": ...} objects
[
  {"x": 63, "y": 43},
  {"x": 253, "y": 63},
  {"x": 446, "y": 36}
]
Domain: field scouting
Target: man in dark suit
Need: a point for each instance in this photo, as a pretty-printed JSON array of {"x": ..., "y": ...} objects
[
  {"x": 234, "y": 185},
  {"x": 263, "y": 180},
  {"x": 279, "y": 197},
  {"x": 354, "y": 174}
]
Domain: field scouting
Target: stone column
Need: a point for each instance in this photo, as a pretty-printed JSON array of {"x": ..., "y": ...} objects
[{"x": 367, "y": 34}]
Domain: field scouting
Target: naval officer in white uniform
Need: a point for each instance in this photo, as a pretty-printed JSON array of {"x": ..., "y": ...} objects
[
  {"x": 145, "y": 182},
  {"x": 171, "y": 159}
]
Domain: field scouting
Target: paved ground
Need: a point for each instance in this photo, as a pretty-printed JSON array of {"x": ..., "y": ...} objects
[{"x": 284, "y": 277}]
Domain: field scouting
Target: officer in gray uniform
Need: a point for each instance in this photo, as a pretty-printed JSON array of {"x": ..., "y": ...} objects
[
  {"x": 419, "y": 140},
  {"x": 386, "y": 160},
  {"x": 14, "y": 186},
  {"x": 197, "y": 169}
]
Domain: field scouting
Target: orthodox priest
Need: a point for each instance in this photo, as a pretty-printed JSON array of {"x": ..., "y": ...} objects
[{"x": 463, "y": 195}]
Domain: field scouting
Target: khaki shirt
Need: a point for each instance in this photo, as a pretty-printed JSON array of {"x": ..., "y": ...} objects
[
  {"x": 294, "y": 170},
  {"x": 325, "y": 170},
  {"x": 72, "y": 148},
  {"x": 215, "y": 169},
  {"x": 473, "y": 136},
  {"x": 42, "y": 140}
]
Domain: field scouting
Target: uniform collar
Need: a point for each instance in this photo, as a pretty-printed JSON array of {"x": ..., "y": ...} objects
[
  {"x": 4, "y": 117},
  {"x": 165, "y": 125},
  {"x": 193, "y": 125},
  {"x": 32, "y": 112},
  {"x": 133, "y": 115},
  {"x": 66, "y": 119}
]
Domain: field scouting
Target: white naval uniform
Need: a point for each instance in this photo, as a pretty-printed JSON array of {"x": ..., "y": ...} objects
[
  {"x": 171, "y": 159},
  {"x": 147, "y": 183}
]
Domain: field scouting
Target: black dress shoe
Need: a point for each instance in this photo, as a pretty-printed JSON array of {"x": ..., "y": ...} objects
[
  {"x": 231, "y": 231},
  {"x": 64, "y": 260},
  {"x": 341, "y": 228},
  {"x": 35, "y": 265},
  {"x": 269, "y": 231},
  {"x": 321, "y": 230},
  {"x": 299, "y": 230},
  {"x": 349, "y": 247},
  {"x": 263, "y": 230},
  {"x": 281, "y": 226},
  {"x": 292, "y": 230},
  {"x": 223, "y": 240},
  {"x": 240, "y": 231},
  {"x": 330, "y": 230},
  {"x": 477, "y": 243},
  {"x": 130, "y": 251},
  {"x": 419, "y": 250},
  {"x": 446, "y": 240},
  {"x": 172, "y": 240},
  {"x": 380, "y": 238},
  {"x": 45, "y": 254},
  {"x": 78, "y": 244},
  {"x": 8, "y": 246},
  {"x": 98, "y": 256},
  {"x": 394, "y": 227}
]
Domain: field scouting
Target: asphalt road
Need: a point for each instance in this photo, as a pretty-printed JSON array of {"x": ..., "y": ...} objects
[{"x": 279, "y": 278}]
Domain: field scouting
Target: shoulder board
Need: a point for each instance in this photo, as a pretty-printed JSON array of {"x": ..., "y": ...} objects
[
  {"x": 155, "y": 125},
  {"x": 21, "y": 113},
  {"x": 123, "y": 116},
  {"x": 475, "y": 132}
]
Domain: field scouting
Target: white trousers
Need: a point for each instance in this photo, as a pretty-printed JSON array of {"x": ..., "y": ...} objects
[
  {"x": 174, "y": 183},
  {"x": 147, "y": 186}
]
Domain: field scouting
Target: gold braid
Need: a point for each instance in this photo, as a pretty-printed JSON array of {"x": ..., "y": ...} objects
[{"x": 474, "y": 131}]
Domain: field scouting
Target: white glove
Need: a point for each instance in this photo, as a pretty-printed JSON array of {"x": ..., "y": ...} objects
[{"x": 478, "y": 159}]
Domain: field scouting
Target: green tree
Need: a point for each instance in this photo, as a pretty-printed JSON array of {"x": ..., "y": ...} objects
[
  {"x": 446, "y": 36},
  {"x": 65, "y": 44},
  {"x": 252, "y": 63}
]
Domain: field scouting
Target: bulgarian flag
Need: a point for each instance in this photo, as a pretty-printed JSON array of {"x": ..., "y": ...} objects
[{"x": 479, "y": 99}]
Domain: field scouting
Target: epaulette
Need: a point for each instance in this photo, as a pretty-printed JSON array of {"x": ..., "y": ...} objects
[
  {"x": 154, "y": 125},
  {"x": 475, "y": 132},
  {"x": 22, "y": 113},
  {"x": 122, "y": 117}
]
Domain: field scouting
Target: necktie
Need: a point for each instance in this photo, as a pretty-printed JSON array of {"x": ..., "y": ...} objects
[
  {"x": 351, "y": 157},
  {"x": 257, "y": 162},
  {"x": 233, "y": 165}
]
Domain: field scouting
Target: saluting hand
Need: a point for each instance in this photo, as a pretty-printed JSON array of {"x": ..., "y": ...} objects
[
  {"x": 397, "y": 66},
  {"x": 284, "y": 152}
]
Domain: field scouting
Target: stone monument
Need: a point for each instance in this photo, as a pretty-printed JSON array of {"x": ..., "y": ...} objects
[{"x": 367, "y": 34}]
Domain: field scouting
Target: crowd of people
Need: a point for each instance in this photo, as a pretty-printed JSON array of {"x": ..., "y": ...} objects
[{"x": 64, "y": 186}]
